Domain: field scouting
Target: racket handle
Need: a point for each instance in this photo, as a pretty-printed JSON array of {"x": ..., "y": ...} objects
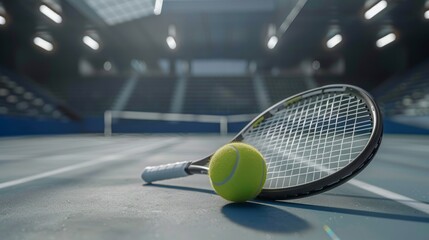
[{"x": 167, "y": 171}]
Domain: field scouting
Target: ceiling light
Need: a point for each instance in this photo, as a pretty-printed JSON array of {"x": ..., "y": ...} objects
[
  {"x": 171, "y": 42},
  {"x": 90, "y": 42},
  {"x": 42, "y": 43},
  {"x": 386, "y": 40},
  {"x": 374, "y": 10},
  {"x": 51, "y": 14},
  {"x": 158, "y": 7},
  {"x": 427, "y": 14},
  {"x": 334, "y": 41},
  {"x": 272, "y": 42}
]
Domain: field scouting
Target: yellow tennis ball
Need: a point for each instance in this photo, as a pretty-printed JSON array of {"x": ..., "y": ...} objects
[{"x": 237, "y": 172}]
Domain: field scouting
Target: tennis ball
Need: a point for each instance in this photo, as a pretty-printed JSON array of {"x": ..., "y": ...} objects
[{"x": 237, "y": 172}]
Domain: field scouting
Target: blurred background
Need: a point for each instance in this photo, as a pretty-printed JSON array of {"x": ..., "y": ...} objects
[{"x": 144, "y": 66}]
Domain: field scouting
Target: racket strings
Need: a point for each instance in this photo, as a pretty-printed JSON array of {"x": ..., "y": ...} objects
[
  {"x": 312, "y": 138},
  {"x": 360, "y": 114}
]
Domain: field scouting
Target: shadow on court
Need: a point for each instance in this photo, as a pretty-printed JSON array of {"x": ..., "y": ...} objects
[
  {"x": 263, "y": 217},
  {"x": 366, "y": 197},
  {"x": 238, "y": 212},
  {"x": 201, "y": 190},
  {"x": 353, "y": 212},
  {"x": 253, "y": 215}
]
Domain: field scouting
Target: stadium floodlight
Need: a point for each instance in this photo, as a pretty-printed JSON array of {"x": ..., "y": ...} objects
[
  {"x": 90, "y": 42},
  {"x": 158, "y": 7},
  {"x": 334, "y": 41},
  {"x": 374, "y": 10},
  {"x": 171, "y": 42},
  {"x": 272, "y": 42},
  {"x": 171, "y": 39},
  {"x": 51, "y": 14},
  {"x": 44, "y": 44},
  {"x": 387, "y": 39},
  {"x": 427, "y": 14},
  {"x": 272, "y": 36},
  {"x": 2, "y": 20}
]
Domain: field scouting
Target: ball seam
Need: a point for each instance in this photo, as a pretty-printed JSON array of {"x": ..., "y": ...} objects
[{"x": 234, "y": 168}]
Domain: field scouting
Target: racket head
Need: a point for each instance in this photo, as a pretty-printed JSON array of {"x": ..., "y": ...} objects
[{"x": 315, "y": 140}]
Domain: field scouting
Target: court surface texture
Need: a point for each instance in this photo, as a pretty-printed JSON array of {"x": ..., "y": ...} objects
[{"x": 89, "y": 187}]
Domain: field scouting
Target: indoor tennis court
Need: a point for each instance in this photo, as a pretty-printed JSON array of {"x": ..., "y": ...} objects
[
  {"x": 89, "y": 187},
  {"x": 92, "y": 92}
]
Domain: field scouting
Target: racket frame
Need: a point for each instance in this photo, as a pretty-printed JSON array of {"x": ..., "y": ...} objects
[{"x": 334, "y": 179}]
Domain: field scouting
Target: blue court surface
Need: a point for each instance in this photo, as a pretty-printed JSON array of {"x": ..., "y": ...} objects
[{"x": 89, "y": 187}]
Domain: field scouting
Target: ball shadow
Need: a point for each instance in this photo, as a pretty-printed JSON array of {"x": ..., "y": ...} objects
[{"x": 263, "y": 217}]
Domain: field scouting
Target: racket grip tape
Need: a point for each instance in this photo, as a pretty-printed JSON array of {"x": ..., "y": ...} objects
[{"x": 167, "y": 171}]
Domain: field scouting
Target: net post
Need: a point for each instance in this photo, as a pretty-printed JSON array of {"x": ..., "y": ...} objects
[
  {"x": 107, "y": 123},
  {"x": 223, "y": 125}
]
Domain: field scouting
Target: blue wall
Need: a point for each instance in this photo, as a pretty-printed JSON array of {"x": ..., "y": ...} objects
[
  {"x": 400, "y": 128},
  {"x": 10, "y": 126}
]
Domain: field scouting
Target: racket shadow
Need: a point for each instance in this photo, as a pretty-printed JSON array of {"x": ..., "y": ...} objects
[
  {"x": 348, "y": 211},
  {"x": 366, "y": 197},
  {"x": 262, "y": 217}
]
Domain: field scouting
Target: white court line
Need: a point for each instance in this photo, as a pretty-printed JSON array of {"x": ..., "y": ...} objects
[
  {"x": 415, "y": 204},
  {"x": 50, "y": 154},
  {"x": 118, "y": 145},
  {"x": 423, "y": 207},
  {"x": 108, "y": 158}
]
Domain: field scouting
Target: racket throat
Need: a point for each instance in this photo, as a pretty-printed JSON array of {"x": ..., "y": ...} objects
[{"x": 192, "y": 169}]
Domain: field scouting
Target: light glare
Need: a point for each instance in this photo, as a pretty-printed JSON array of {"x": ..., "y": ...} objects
[
  {"x": 386, "y": 40},
  {"x": 334, "y": 41},
  {"x": 171, "y": 42},
  {"x": 272, "y": 42},
  {"x": 42, "y": 43},
  {"x": 107, "y": 66},
  {"x": 374, "y": 10},
  {"x": 51, "y": 14},
  {"x": 427, "y": 14},
  {"x": 90, "y": 42}
]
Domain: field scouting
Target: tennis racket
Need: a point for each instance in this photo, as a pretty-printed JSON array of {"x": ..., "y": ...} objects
[{"x": 312, "y": 142}]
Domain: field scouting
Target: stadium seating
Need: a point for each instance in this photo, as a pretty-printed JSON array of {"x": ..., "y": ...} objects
[
  {"x": 280, "y": 88},
  {"x": 210, "y": 95},
  {"x": 21, "y": 98},
  {"x": 406, "y": 95},
  {"x": 89, "y": 96},
  {"x": 152, "y": 94}
]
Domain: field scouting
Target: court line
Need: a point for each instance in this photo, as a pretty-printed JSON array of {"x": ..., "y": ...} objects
[
  {"x": 417, "y": 205},
  {"x": 407, "y": 201},
  {"x": 108, "y": 158},
  {"x": 113, "y": 146},
  {"x": 26, "y": 154}
]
